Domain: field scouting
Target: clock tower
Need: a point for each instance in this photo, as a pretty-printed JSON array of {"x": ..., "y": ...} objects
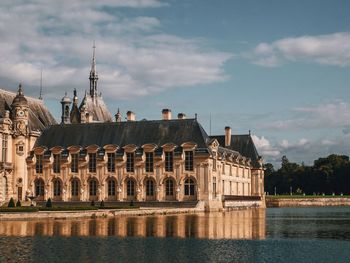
[{"x": 19, "y": 111}]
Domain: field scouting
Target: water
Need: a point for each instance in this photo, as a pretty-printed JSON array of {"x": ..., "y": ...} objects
[{"x": 272, "y": 235}]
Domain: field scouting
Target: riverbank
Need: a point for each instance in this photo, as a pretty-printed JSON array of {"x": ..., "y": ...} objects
[
  {"x": 95, "y": 213},
  {"x": 273, "y": 201}
]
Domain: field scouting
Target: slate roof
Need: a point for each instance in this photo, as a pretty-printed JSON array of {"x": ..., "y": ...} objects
[
  {"x": 39, "y": 116},
  {"x": 158, "y": 132},
  {"x": 241, "y": 143}
]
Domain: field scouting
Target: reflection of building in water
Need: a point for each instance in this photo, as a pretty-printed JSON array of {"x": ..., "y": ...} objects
[{"x": 243, "y": 224}]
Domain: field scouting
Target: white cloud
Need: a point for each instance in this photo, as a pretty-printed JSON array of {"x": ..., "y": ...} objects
[
  {"x": 332, "y": 49},
  {"x": 134, "y": 56},
  {"x": 265, "y": 148},
  {"x": 334, "y": 114}
]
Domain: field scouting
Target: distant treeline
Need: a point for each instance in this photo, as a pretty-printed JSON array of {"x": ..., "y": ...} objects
[{"x": 327, "y": 175}]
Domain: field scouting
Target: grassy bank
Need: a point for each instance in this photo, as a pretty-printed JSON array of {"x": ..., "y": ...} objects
[{"x": 306, "y": 196}]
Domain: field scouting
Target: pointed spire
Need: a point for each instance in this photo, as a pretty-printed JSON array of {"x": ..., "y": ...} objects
[{"x": 93, "y": 74}]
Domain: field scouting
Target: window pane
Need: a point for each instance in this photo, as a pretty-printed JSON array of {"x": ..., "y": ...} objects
[
  {"x": 92, "y": 162},
  {"x": 168, "y": 161},
  {"x": 74, "y": 163},
  {"x": 189, "y": 160},
  {"x": 111, "y": 162},
  {"x": 130, "y": 162},
  {"x": 149, "y": 162}
]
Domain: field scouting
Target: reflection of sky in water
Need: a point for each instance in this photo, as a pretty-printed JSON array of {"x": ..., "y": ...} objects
[{"x": 272, "y": 235}]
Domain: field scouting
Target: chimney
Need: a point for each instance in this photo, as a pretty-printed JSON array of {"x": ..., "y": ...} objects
[
  {"x": 227, "y": 136},
  {"x": 130, "y": 116},
  {"x": 166, "y": 114},
  {"x": 181, "y": 116}
]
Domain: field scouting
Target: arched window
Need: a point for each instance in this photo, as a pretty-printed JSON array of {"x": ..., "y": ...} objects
[
  {"x": 189, "y": 186},
  {"x": 111, "y": 187},
  {"x": 169, "y": 187},
  {"x": 130, "y": 187},
  {"x": 75, "y": 187},
  {"x": 93, "y": 187},
  {"x": 56, "y": 187},
  {"x": 149, "y": 187},
  {"x": 39, "y": 187}
]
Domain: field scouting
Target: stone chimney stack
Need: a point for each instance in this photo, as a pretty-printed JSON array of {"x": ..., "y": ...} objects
[
  {"x": 130, "y": 116},
  {"x": 227, "y": 136},
  {"x": 181, "y": 116},
  {"x": 166, "y": 114}
]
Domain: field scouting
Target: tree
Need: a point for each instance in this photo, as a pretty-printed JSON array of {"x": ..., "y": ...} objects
[
  {"x": 48, "y": 203},
  {"x": 18, "y": 204},
  {"x": 11, "y": 203}
]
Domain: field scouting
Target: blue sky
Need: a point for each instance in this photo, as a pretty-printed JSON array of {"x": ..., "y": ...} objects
[{"x": 277, "y": 68}]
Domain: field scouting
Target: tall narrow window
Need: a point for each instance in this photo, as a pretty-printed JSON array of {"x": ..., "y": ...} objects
[
  {"x": 93, "y": 187},
  {"x": 75, "y": 187},
  {"x": 169, "y": 160},
  {"x": 111, "y": 162},
  {"x": 57, "y": 163},
  {"x": 169, "y": 187},
  {"x": 149, "y": 162},
  {"x": 39, "y": 187},
  {"x": 56, "y": 187},
  {"x": 189, "y": 187},
  {"x": 111, "y": 187},
  {"x": 189, "y": 160},
  {"x": 39, "y": 164},
  {"x": 4, "y": 147},
  {"x": 149, "y": 188},
  {"x": 130, "y": 162},
  {"x": 92, "y": 162},
  {"x": 74, "y": 163},
  {"x": 214, "y": 186},
  {"x": 130, "y": 187}
]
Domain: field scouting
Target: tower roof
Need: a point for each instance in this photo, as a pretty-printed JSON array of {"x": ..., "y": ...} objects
[{"x": 19, "y": 100}]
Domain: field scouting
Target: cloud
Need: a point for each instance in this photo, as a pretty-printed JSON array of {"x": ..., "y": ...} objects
[
  {"x": 265, "y": 148},
  {"x": 134, "y": 56},
  {"x": 329, "y": 115},
  {"x": 331, "y": 49}
]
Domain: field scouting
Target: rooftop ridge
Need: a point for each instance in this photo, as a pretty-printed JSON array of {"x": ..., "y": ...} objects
[{"x": 11, "y": 93}]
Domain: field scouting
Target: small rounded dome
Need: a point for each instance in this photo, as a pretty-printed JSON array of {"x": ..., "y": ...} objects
[
  {"x": 19, "y": 99},
  {"x": 66, "y": 99}
]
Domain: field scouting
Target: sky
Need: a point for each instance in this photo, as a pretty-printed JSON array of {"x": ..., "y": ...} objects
[{"x": 279, "y": 68}]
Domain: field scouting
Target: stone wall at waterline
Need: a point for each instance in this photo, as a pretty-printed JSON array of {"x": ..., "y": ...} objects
[{"x": 305, "y": 202}]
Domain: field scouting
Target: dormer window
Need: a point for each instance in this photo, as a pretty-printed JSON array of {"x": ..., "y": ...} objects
[
  {"x": 111, "y": 162},
  {"x": 189, "y": 160},
  {"x": 130, "y": 160},
  {"x": 149, "y": 162},
  {"x": 56, "y": 163},
  {"x": 39, "y": 164},
  {"x": 92, "y": 162},
  {"x": 169, "y": 161}
]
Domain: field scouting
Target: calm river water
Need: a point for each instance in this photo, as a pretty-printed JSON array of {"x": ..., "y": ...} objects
[{"x": 273, "y": 235}]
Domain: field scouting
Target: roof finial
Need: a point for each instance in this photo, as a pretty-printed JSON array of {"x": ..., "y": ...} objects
[
  {"x": 93, "y": 66},
  {"x": 20, "y": 92},
  {"x": 195, "y": 116},
  {"x": 249, "y": 132}
]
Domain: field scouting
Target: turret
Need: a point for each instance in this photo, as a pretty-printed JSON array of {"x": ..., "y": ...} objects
[
  {"x": 19, "y": 113},
  {"x": 66, "y": 102}
]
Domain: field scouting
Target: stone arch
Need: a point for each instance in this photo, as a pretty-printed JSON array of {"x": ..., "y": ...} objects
[
  {"x": 169, "y": 188},
  {"x": 130, "y": 188},
  {"x": 93, "y": 188},
  {"x": 75, "y": 186},
  {"x": 111, "y": 188},
  {"x": 57, "y": 188},
  {"x": 39, "y": 189},
  {"x": 150, "y": 188}
]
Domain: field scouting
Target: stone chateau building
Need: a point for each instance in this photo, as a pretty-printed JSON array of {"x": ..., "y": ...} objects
[{"x": 90, "y": 156}]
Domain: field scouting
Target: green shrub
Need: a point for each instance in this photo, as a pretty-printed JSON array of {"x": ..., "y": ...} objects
[
  {"x": 11, "y": 203},
  {"x": 92, "y": 203},
  {"x": 131, "y": 203},
  {"x": 102, "y": 204},
  {"x": 18, "y": 204},
  {"x": 48, "y": 203}
]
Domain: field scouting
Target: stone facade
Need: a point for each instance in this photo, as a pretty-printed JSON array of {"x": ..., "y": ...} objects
[
  {"x": 163, "y": 160},
  {"x": 22, "y": 120}
]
